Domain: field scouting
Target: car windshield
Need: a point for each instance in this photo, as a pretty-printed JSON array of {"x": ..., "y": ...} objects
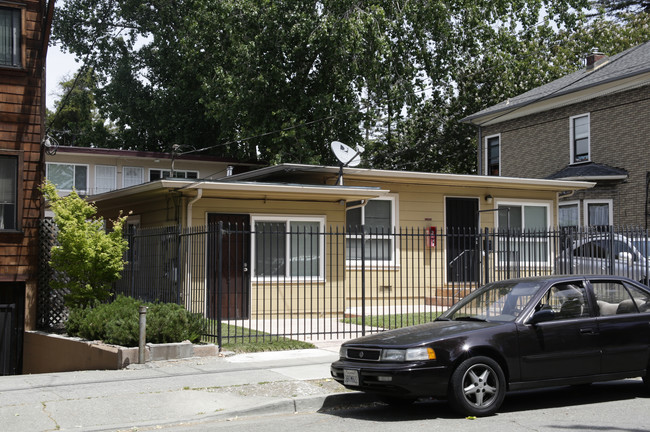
[{"x": 499, "y": 302}]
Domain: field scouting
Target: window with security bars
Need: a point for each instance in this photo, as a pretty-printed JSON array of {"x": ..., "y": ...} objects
[{"x": 370, "y": 230}]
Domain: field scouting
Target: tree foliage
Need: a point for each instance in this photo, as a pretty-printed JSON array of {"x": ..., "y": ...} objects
[
  {"x": 433, "y": 138},
  {"x": 86, "y": 259},
  {"x": 279, "y": 80},
  {"x": 76, "y": 120}
]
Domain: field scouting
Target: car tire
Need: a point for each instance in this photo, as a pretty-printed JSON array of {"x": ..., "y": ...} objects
[{"x": 477, "y": 387}]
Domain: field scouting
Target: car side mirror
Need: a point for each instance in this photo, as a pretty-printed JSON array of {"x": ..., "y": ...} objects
[{"x": 542, "y": 315}]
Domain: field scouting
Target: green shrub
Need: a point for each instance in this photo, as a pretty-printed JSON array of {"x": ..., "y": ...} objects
[
  {"x": 118, "y": 322},
  {"x": 169, "y": 322}
]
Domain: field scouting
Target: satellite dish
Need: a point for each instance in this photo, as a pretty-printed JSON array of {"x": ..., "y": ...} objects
[{"x": 346, "y": 154}]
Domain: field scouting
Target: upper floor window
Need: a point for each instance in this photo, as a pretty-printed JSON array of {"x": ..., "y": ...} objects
[
  {"x": 580, "y": 139},
  {"x": 67, "y": 177},
  {"x": 493, "y": 155},
  {"x": 10, "y": 32},
  {"x": 132, "y": 176},
  {"x": 8, "y": 193},
  {"x": 105, "y": 178},
  {"x": 370, "y": 231},
  {"x": 156, "y": 174}
]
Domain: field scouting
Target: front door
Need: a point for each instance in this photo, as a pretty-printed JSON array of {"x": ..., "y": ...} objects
[
  {"x": 234, "y": 254},
  {"x": 462, "y": 246}
]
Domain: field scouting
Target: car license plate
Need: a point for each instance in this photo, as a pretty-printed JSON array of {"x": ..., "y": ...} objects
[{"x": 350, "y": 377}]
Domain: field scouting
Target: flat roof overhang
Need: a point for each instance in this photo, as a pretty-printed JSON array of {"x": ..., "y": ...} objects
[
  {"x": 241, "y": 190},
  {"x": 382, "y": 177}
]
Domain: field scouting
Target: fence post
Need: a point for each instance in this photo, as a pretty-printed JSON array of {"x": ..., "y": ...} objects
[
  {"x": 363, "y": 282},
  {"x": 132, "y": 236},
  {"x": 143, "y": 334},
  {"x": 178, "y": 264},
  {"x": 219, "y": 281},
  {"x": 486, "y": 255}
]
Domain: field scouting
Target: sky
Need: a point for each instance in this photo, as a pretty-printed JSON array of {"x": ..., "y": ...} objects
[{"x": 59, "y": 66}]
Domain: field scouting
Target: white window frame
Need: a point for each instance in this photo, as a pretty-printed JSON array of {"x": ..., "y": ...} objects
[
  {"x": 288, "y": 219},
  {"x": 566, "y": 204},
  {"x": 572, "y": 139},
  {"x": 487, "y": 154},
  {"x": 169, "y": 171},
  {"x": 113, "y": 186},
  {"x": 548, "y": 205},
  {"x": 124, "y": 168},
  {"x": 83, "y": 191},
  {"x": 393, "y": 262},
  {"x": 587, "y": 202}
]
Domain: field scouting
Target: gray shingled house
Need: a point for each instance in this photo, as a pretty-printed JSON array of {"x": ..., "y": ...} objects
[{"x": 590, "y": 125}]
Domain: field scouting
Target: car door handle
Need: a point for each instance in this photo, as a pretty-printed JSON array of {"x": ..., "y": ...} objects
[{"x": 587, "y": 331}]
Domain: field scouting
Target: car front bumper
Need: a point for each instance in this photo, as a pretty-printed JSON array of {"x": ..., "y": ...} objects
[{"x": 408, "y": 380}]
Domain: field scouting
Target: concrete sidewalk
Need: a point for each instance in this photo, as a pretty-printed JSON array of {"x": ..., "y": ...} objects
[{"x": 175, "y": 392}]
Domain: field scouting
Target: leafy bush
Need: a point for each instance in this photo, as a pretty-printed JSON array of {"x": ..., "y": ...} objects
[{"x": 118, "y": 322}]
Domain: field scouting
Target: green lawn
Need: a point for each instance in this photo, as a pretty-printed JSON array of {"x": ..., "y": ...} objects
[
  {"x": 241, "y": 340},
  {"x": 395, "y": 321}
]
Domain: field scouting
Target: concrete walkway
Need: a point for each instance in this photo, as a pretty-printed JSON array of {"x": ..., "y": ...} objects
[{"x": 175, "y": 392}]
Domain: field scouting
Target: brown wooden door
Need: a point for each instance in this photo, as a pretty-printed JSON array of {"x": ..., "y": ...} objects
[{"x": 235, "y": 264}]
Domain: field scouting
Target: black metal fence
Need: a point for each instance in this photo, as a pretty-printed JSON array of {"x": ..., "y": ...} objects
[{"x": 309, "y": 283}]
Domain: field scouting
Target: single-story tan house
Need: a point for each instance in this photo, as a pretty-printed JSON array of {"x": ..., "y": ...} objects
[{"x": 383, "y": 226}]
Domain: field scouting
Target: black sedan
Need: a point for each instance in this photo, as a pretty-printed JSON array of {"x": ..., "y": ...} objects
[{"x": 508, "y": 335}]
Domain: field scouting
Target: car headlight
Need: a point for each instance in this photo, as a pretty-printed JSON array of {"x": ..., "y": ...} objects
[
  {"x": 343, "y": 352},
  {"x": 422, "y": 353},
  {"x": 393, "y": 355},
  {"x": 410, "y": 354}
]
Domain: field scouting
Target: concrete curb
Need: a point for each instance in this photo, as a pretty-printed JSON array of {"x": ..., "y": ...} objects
[{"x": 306, "y": 404}]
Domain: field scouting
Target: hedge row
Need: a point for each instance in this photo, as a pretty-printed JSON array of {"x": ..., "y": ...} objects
[{"x": 118, "y": 322}]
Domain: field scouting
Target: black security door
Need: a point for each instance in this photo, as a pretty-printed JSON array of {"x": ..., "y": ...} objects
[
  {"x": 462, "y": 246},
  {"x": 12, "y": 305}
]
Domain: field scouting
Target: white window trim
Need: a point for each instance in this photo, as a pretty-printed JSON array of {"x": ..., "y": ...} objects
[
  {"x": 114, "y": 177},
  {"x": 585, "y": 213},
  {"x": 83, "y": 191},
  {"x": 289, "y": 218},
  {"x": 176, "y": 170},
  {"x": 537, "y": 203},
  {"x": 486, "y": 153},
  {"x": 572, "y": 161},
  {"x": 568, "y": 203},
  {"x": 124, "y": 168},
  {"x": 380, "y": 264}
]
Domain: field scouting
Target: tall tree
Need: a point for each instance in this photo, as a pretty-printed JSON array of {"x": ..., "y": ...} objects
[
  {"x": 76, "y": 120},
  {"x": 432, "y": 138},
  {"x": 279, "y": 80}
]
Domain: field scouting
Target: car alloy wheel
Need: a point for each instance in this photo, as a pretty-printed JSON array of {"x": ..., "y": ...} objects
[{"x": 477, "y": 387}]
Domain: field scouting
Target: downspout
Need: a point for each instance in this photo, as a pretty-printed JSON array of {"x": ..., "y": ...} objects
[
  {"x": 199, "y": 194},
  {"x": 480, "y": 150}
]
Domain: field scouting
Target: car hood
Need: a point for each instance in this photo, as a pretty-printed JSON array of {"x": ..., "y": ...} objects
[{"x": 422, "y": 333}]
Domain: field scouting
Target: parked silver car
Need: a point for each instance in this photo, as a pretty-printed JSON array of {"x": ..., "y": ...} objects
[{"x": 613, "y": 254}]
